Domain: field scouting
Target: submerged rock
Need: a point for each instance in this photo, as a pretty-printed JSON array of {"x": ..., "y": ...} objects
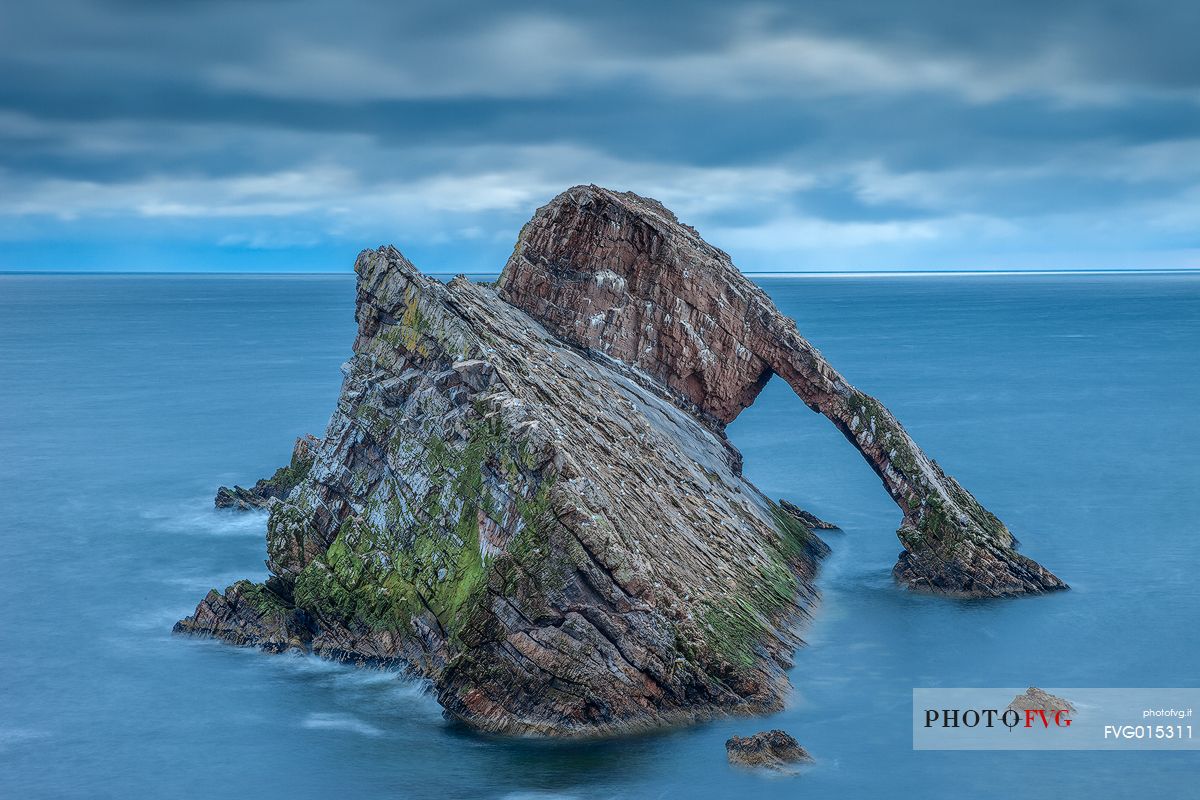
[
  {"x": 278, "y": 486},
  {"x": 525, "y": 494},
  {"x": 811, "y": 520},
  {"x": 772, "y": 749}
]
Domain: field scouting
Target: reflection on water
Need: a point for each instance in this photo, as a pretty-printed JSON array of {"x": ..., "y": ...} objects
[{"x": 1063, "y": 403}]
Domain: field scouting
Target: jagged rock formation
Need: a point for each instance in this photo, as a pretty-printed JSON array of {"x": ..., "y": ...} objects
[
  {"x": 555, "y": 544},
  {"x": 525, "y": 493},
  {"x": 249, "y": 613},
  {"x": 775, "y": 750},
  {"x": 809, "y": 519},
  {"x": 619, "y": 275},
  {"x": 277, "y": 486}
]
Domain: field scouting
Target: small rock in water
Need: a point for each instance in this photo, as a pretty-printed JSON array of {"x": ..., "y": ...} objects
[{"x": 773, "y": 749}]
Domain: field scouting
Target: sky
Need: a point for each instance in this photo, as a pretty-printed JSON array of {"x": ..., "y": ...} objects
[{"x": 273, "y": 135}]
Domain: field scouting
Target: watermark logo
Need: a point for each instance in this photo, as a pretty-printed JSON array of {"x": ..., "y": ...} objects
[
  {"x": 990, "y": 717},
  {"x": 1057, "y": 719}
]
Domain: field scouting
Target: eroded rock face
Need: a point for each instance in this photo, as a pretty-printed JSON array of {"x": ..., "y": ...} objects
[
  {"x": 619, "y": 275},
  {"x": 249, "y": 614},
  {"x": 808, "y": 518},
  {"x": 554, "y": 543}
]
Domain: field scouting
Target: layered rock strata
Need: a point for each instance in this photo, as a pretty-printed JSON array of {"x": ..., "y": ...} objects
[
  {"x": 619, "y": 275},
  {"x": 557, "y": 546},
  {"x": 808, "y": 518}
]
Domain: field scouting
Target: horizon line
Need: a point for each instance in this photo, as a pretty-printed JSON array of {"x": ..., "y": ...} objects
[{"x": 760, "y": 274}]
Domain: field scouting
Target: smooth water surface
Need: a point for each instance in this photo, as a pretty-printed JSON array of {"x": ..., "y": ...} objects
[{"x": 1066, "y": 404}]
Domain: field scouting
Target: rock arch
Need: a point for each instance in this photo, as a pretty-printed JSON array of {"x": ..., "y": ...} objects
[{"x": 619, "y": 276}]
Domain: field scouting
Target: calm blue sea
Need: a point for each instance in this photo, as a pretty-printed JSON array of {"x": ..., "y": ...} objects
[{"x": 1066, "y": 404}]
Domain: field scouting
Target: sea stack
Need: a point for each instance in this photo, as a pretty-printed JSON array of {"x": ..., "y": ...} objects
[{"x": 525, "y": 493}]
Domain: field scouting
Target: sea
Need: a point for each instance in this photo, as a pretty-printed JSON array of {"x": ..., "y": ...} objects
[{"x": 1066, "y": 403}]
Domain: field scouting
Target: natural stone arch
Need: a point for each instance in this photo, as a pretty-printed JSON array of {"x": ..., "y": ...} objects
[{"x": 618, "y": 274}]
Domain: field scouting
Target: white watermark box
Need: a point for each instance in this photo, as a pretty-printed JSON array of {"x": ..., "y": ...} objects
[{"x": 1055, "y": 719}]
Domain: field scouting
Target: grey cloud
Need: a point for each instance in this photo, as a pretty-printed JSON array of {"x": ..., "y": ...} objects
[{"x": 820, "y": 133}]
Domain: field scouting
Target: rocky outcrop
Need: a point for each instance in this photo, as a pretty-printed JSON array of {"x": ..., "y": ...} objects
[
  {"x": 809, "y": 519},
  {"x": 770, "y": 749},
  {"x": 278, "y": 486},
  {"x": 619, "y": 276},
  {"x": 553, "y": 542},
  {"x": 248, "y": 613}
]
